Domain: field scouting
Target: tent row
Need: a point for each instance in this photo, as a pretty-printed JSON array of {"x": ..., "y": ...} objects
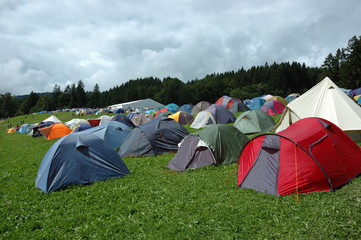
[
  {"x": 215, "y": 145},
  {"x": 90, "y": 155},
  {"x": 310, "y": 154}
]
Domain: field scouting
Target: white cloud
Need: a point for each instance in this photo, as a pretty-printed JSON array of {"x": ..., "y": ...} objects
[{"x": 14, "y": 78}]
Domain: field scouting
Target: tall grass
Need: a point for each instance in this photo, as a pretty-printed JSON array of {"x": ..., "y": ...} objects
[{"x": 157, "y": 203}]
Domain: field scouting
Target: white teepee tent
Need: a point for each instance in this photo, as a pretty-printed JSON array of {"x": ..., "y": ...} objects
[
  {"x": 325, "y": 100},
  {"x": 52, "y": 118}
]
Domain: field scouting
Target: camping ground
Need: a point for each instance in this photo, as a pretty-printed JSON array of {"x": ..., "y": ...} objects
[{"x": 157, "y": 203}]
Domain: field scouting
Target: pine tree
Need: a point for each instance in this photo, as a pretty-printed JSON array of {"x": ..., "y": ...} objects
[
  {"x": 73, "y": 97},
  {"x": 80, "y": 94},
  {"x": 64, "y": 97},
  {"x": 55, "y": 98},
  {"x": 351, "y": 72},
  {"x": 31, "y": 102},
  {"x": 95, "y": 97}
]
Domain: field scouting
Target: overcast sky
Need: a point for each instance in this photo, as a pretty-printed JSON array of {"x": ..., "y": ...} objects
[{"x": 110, "y": 42}]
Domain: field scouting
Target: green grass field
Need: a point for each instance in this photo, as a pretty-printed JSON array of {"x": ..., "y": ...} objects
[{"x": 156, "y": 203}]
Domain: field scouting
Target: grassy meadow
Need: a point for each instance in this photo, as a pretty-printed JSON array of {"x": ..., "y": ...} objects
[{"x": 157, "y": 203}]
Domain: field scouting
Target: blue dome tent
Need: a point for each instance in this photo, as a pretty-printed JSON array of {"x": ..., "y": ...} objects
[
  {"x": 78, "y": 158},
  {"x": 112, "y": 132}
]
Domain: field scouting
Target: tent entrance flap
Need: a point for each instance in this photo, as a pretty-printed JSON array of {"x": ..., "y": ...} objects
[
  {"x": 264, "y": 173},
  {"x": 193, "y": 153},
  {"x": 202, "y": 157}
]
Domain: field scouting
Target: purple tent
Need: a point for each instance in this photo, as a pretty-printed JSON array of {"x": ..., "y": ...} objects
[{"x": 354, "y": 92}]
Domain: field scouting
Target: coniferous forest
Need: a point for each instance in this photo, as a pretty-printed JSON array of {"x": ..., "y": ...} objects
[{"x": 281, "y": 79}]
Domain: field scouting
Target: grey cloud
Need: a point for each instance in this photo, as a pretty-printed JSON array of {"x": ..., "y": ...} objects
[{"x": 47, "y": 42}]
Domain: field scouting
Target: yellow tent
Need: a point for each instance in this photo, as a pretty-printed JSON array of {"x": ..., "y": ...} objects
[
  {"x": 182, "y": 117},
  {"x": 357, "y": 97}
]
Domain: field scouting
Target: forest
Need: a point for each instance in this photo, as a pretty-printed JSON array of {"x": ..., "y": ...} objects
[{"x": 343, "y": 67}]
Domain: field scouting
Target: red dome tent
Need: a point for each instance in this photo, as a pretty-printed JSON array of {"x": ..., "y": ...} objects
[
  {"x": 273, "y": 107},
  {"x": 311, "y": 155},
  {"x": 227, "y": 101}
]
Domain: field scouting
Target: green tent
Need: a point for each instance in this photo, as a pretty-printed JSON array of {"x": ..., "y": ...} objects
[
  {"x": 215, "y": 145},
  {"x": 254, "y": 121}
]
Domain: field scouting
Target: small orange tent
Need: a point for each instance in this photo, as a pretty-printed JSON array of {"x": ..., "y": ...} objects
[
  {"x": 57, "y": 130},
  {"x": 11, "y": 130}
]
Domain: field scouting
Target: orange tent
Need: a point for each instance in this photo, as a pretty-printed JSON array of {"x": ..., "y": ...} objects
[
  {"x": 11, "y": 130},
  {"x": 57, "y": 130}
]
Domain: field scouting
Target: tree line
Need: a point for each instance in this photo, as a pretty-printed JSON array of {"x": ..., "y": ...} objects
[{"x": 281, "y": 79}]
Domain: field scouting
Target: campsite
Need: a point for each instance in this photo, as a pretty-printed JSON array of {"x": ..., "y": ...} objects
[
  {"x": 180, "y": 120},
  {"x": 156, "y": 202}
]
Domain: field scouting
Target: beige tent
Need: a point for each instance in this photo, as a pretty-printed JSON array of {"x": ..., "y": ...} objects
[
  {"x": 142, "y": 118},
  {"x": 75, "y": 122},
  {"x": 104, "y": 119},
  {"x": 52, "y": 118},
  {"x": 267, "y": 97},
  {"x": 278, "y": 98},
  {"x": 294, "y": 95},
  {"x": 325, "y": 100}
]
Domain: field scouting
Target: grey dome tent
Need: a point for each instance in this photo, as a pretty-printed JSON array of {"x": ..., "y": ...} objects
[
  {"x": 23, "y": 128},
  {"x": 203, "y": 119},
  {"x": 186, "y": 108},
  {"x": 202, "y": 105},
  {"x": 238, "y": 107},
  {"x": 78, "y": 158},
  {"x": 29, "y": 129},
  {"x": 215, "y": 145},
  {"x": 213, "y": 114},
  {"x": 112, "y": 132},
  {"x": 123, "y": 119},
  {"x": 160, "y": 135},
  {"x": 142, "y": 118},
  {"x": 221, "y": 114},
  {"x": 254, "y": 121}
]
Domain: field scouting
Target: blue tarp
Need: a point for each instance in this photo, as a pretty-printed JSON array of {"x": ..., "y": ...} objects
[{"x": 78, "y": 158}]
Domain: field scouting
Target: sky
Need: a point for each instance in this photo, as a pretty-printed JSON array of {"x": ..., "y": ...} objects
[{"x": 43, "y": 43}]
